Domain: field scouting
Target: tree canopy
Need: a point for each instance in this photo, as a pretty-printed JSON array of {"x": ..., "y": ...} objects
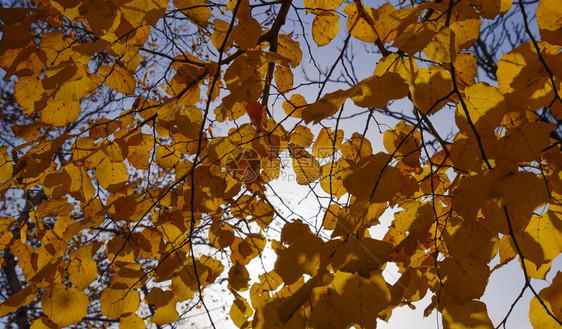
[{"x": 144, "y": 142}]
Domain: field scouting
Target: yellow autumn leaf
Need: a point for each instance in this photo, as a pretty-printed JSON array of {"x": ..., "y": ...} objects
[
  {"x": 301, "y": 257},
  {"x": 164, "y": 303},
  {"x": 551, "y": 298},
  {"x": 81, "y": 186},
  {"x": 196, "y": 11},
  {"x": 374, "y": 171},
  {"x": 141, "y": 12},
  {"x": 118, "y": 78},
  {"x": 465, "y": 69},
  {"x": 28, "y": 132},
  {"x": 458, "y": 231},
  {"x": 117, "y": 302},
  {"x": 306, "y": 167},
  {"x": 72, "y": 87},
  {"x": 321, "y": 7},
  {"x": 466, "y": 279},
  {"x": 444, "y": 46},
  {"x": 28, "y": 92},
  {"x": 58, "y": 49},
  {"x": 404, "y": 142},
  {"x": 356, "y": 148},
  {"x": 263, "y": 213},
  {"x": 60, "y": 113},
  {"x": 377, "y": 91},
  {"x": 431, "y": 88},
  {"x": 331, "y": 175},
  {"x": 325, "y": 107},
  {"x": 327, "y": 143},
  {"x": 247, "y": 33},
  {"x": 219, "y": 34},
  {"x": 6, "y": 164},
  {"x": 549, "y": 18},
  {"x": 325, "y": 28},
  {"x": 238, "y": 277},
  {"x": 17, "y": 300},
  {"x": 166, "y": 156},
  {"x": 301, "y": 136},
  {"x": 130, "y": 275},
  {"x": 140, "y": 146},
  {"x": 283, "y": 78},
  {"x": 111, "y": 175},
  {"x": 486, "y": 107},
  {"x": 525, "y": 143},
  {"x": 360, "y": 256},
  {"x": 360, "y": 299},
  {"x": 82, "y": 269},
  {"x": 132, "y": 321},
  {"x": 541, "y": 242},
  {"x": 244, "y": 250},
  {"x": 183, "y": 285},
  {"x": 472, "y": 314},
  {"x": 220, "y": 236},
  {"x": 43, "y": 323},
  {"x": 523, "y": 76},
  {"x": 294, "y": 107},
  {"x": 491, "y": 8},
  {"x": 537, "y": 272},
  {"x": 415, "y": 36},
  {"x": 359, "y": 23},
  {"x": 290, "y": 49},
  {"x": 240, "y": 312},
  {"x": 407, "y": 68},
  {"x": 291, "y": 305},
  {"x": 102, "y": 18},
  {"x": 64, "y": 306},
  {"x": 466, "y": 26}
]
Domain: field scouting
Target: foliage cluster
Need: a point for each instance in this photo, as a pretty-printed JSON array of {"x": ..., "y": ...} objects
[{"x": 146, "y": 139}]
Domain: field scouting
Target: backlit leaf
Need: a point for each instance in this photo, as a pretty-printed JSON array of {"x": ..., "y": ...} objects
[
  {"x": 247, "y": 33},
  {"x": 319, "y": 7},
  {"x": 377, "y": 91},
  {"x": 118, "y": 78},
  {"x": 490, "y": 9},
  {"x": 6, "y": 165},
  {"x": 290, "y": 49},
  {"x": 64, "y": 306},
  {"x": 472, "y": 314},
  {"x": 118, "y": 302},
  {"x": 374, "y": 171},
  {"x": 327, "y": 143},
  {"x": 82, "y": 269},
  {"x": 165, "y": 304},
  {"x": 283, "y": 78},
  {"x": 139, "y": 12},
  {"x": 325, "y": 106},
  {"x": 60, "y": 113},
  {"x": 111, "y": 175},
  {"x": 430, "y": 89},
  {"x": 542, "y": 240},
  {"x": 240, "y": 312},
  {"x": 549, "y": 17},
  {"x": 465, "y": 280},
  {"x": 132, "y": 321},
  {"x": 359, "y": 22},
  {"x": 196, "y": 10},
  {"x": 551, "y": 297},
  {"x": 360, "y": 299},
  {"x": 325, "y": 28},
  {"x": 17, "y": 300},
  {"x": 444, "y": 46}
]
